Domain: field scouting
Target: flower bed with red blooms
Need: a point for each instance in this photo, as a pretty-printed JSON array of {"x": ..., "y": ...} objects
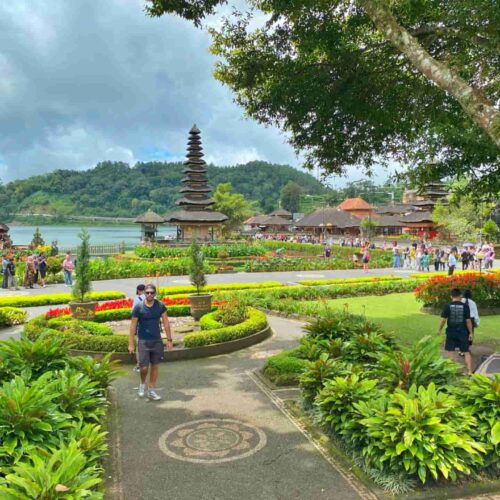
[
  {"x": 485, "y": 289},
  {"x": 122, "y": 304}
]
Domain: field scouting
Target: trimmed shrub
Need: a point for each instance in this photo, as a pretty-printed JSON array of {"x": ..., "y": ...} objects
[
  {"x": 285, "y": 368},
  {"x": 209, "y": 321},
  {"x": 12, "y": 316},
  {"x": 213, "y": 251},
  {"x": 55, "y": 298},
  {"x": 80, "y": 327},
  {"x": 177, "y": 290},
  {"x": 346, "y": 281},
  {"x": 485, "y": 289},
  {"x": 256, "y": 322}
]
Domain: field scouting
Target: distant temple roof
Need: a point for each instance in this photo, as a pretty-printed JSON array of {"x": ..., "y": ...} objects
[
  {"x": 355, "y": 204},
  {"x": 388, "y": 220},
  {"x": 4, "y": 228},
  {"x": 394, "y": 208},
  {"x": 329, "y": 217},
  {"x": 201, "y": 216},
  {"x": 281, "y": 212},
  {"x": 414, "y": 217},
  {"x": 149, "y": 217}
]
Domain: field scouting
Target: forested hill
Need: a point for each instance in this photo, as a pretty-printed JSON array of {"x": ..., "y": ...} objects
[{"x": 116, "y": 189}]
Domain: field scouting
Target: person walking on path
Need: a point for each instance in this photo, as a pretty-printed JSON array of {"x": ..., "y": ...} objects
[
  {"x": 397, "y": 256},
  {"x": 29, "y": 273},
  {"x": 465, "y": 259},
  {"x": 366, "y": 260},
  {"x": 424, "y": 261},
  {"x": 68, "y": 268},
  {"x": 5, "y": 272},
  {"x": 146, "y": 318},
  {"x": 452, "y": 261},
  {"x": 11, "y": 269},
  {"x": 456, "y": 315},
  {"x": 139, "y": 297},
  {"x": 42, "y": 268}
]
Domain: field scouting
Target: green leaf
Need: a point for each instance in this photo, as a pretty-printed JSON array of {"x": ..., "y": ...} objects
[{"x": 495, "y": 434}]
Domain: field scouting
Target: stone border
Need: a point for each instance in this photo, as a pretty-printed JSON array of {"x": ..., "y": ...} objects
[
  {"x": 485, "y": 311},
  {"x": 188, "y": 353}
]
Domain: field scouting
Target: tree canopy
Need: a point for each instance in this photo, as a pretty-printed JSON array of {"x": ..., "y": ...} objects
[
  {"x": 233, "y": 205},
  {"x": 116, "y": 189},
  {"x": 364, "y": 81},
  {"x": 290, "y": 197}
]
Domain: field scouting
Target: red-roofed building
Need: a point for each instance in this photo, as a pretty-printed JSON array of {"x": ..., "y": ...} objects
[{"x": 357, "y": 207}]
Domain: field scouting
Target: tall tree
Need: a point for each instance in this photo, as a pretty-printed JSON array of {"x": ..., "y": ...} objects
[
  {"x": 363, "y": 81},
  {"x": 290, "y": 197},
  {"x": 233, "y": 205}
]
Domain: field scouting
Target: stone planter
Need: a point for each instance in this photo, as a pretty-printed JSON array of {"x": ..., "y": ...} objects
[
  {"x": 200, "y": 304},
  {"x": 83, "y": 310}
]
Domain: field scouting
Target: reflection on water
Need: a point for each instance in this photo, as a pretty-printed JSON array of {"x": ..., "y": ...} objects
[{"x": 99, "y": 235}]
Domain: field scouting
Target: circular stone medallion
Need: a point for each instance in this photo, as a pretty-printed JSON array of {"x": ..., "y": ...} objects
[{"x": 212, "y": 440}]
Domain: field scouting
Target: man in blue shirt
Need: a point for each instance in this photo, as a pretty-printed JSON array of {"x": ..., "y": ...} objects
[{"x": 146, "y": 317}]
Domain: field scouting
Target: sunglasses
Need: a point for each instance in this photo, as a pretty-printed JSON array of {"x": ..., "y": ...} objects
[{"x": 149, "y": 293}]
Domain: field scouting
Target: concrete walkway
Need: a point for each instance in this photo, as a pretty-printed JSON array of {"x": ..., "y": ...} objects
[{"x": 217, "y": 434}]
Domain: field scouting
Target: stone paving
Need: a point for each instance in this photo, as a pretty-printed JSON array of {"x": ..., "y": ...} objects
[{"x": 219, "y": 433}]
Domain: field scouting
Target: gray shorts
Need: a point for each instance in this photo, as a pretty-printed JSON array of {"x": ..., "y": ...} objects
[{"x": 150, "y": 352}]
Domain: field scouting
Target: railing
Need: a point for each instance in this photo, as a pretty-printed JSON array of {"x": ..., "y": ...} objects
[{"x": 97, "y": 250}]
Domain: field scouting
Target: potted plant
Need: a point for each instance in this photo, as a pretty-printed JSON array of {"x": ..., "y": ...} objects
[
  {"x": 201, "y": 303},
  {"x": 81, "y": 307}
]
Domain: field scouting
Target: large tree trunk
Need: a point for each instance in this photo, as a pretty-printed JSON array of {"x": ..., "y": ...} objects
[{"x": 474, "y": 103}]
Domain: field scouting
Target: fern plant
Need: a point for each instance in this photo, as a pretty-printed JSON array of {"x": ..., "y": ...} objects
[{"x": 102, "y": 371}]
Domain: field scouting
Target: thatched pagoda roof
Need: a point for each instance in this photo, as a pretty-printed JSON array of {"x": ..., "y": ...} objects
[
  {"x": 281, "y": 212},
  {"x": 388, "y": 220},
  {"x": 192, "y": 216},
  {"x": 414, "y": 217},
  {"x": 149, "y": 217}
]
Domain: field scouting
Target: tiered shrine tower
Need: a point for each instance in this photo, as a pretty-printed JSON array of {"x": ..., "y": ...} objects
[{"x": 195, "y": 217}]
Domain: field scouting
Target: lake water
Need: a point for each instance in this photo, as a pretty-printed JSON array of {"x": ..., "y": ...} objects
[{"x": 99, "y": 235}]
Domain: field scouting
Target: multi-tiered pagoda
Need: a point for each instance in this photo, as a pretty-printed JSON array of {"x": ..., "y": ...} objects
[{"x": 195, "y": 217}]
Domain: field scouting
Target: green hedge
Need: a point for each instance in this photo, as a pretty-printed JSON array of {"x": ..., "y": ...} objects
[
  {"x": 285, "y": 368},
  {"x": 55, "y": 298},
  {"x": 256, "y": 322},
  {"x": 340, "y": 281},
  {"x": 12, "y": 316},
  {"x": 177, "y": 290},
  {"x": 99, "y": 343},
  {"x": 232, "y": 250},
  {"x": 209, "y": 321},
  {"x": 77, "y": 326}
]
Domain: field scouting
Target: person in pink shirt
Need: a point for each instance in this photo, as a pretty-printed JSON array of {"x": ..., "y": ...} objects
[{"x": 68, "y": 268}]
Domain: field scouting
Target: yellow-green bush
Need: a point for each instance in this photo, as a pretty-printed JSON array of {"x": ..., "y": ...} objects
[
  {"x": 55, "y": 298},
  {"x": 177, "y": 290},
  {"x": 341, "y": 281},
  {"x": 12, "y": 316},
  {"x": 255, "y": 323}
]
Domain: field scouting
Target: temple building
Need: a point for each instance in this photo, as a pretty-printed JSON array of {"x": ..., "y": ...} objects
[
  {"x": 149, "y": 222},
  {"x": 357, "y": 207},
  {"x": 195, "y": 218}
]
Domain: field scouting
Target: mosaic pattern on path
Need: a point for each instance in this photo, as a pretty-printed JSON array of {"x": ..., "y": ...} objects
[{"x": 212, "y": 440}]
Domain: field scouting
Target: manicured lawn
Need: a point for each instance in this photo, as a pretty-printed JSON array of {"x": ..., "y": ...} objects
[{"x": 400, "y": 313}]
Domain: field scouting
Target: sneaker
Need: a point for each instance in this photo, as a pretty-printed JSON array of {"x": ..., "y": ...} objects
[
  {"x": 153, "y": 395},
  {"x": 137, "y": 368},
  {"x": 142, "y": 390}
]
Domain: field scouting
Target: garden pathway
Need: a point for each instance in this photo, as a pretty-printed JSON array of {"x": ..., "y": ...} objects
[{"x": 219, "y": 433}]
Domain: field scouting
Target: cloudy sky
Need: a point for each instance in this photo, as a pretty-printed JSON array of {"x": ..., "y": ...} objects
[{"x": 83, "y": 81}]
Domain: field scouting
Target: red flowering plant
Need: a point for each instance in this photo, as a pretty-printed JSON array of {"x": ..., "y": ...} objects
[
  {"x": 122, "y": 304},
  {"x": 485, "y": 289}
]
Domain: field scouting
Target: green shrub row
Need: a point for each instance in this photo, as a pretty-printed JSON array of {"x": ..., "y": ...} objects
[
  {"x": 212, "y": 251},
  {"x": 169, "y": 291},
  {"x": 340, "y": 281},
  {"x": 51, "y": 406},
  {"x": 55, "y": 298},
  {"x": 285, "y": 368},
  {"x": 288, "y": 298},
  {"x": 66, "y": 323},
  {"x": 256, "y": 322},
  {"x": 12, "y": 316}
]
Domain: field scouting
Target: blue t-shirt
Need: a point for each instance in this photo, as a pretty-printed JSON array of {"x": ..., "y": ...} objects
[{"x": 149, "y": 320}]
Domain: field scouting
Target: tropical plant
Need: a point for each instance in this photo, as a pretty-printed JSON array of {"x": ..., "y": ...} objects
[
  {"x": 82, "y": 285},
  {"x": 424, "y": 432},
  {"x": 102, "y": 371},
  {"x": 421, "y": 364},
  {"x": 90, "y": 439},
  {"x": 62, "y": 473},
  {"x": 365, "y": 348},
  {"x": 196, "y": 273},
  {"x": 480, "y": 395},
  {"x": 78, "y": 396},
  {"x": 232, "y": 312},
  {"x": 337, "y": 399},
  {"x": 31, "y": 359},
  {"x": 37, "y": 240},
  {"x": 316, "y": 374},
  {"x": 29, "y": 417}
]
